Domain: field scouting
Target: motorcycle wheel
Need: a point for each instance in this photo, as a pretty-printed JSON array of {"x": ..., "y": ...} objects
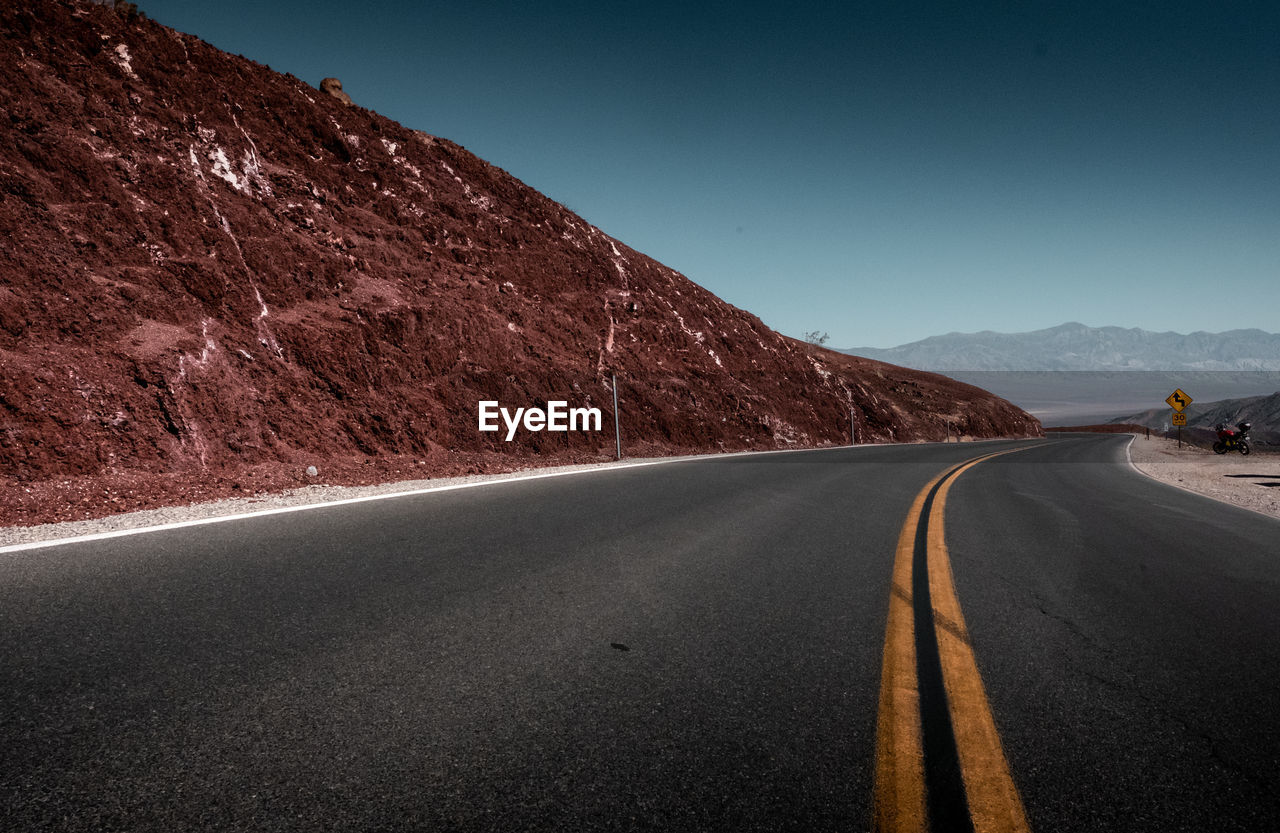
[
  {"x": 1244, "y": 447},
  {"x": 1219, "y": 448}
]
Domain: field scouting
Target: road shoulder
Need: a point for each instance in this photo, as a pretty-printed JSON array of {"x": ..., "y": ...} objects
[{"x": 1251, "y": 482}]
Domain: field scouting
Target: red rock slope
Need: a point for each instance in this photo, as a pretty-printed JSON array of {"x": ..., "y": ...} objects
[{"x": 215, "y": 275}]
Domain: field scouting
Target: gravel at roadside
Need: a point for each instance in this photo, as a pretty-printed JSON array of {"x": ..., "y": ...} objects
[
  {"x": 305, "y": 496},
  {"x": 1252, "y": 482}
]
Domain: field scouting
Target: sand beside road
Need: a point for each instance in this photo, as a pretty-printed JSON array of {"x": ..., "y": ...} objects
[{"x": 1252, "y": 482}]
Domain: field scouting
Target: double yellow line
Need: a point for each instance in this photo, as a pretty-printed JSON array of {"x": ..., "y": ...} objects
[{"x": 901, "y": 799}]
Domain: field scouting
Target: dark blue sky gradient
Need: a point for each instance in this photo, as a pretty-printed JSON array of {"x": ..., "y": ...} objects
[{"x": 883, "y": 172}]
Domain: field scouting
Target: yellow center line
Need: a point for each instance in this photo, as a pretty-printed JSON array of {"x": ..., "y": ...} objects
[
  {"x": 899, "y": 792},
  {"x": 899, "y": 799},
  {"x": 994, "y": 803}
]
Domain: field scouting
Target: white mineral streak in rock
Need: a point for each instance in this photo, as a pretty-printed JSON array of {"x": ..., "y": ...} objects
[{"x": 124, "y": 61}]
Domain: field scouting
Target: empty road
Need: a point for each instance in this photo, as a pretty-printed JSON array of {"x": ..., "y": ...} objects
[{"x": 741, "y": 643}]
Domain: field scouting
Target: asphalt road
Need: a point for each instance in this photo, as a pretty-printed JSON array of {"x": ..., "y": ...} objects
[{"x": 691, "y": 646}]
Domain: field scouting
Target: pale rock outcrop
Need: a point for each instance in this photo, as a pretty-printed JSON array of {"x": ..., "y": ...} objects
[{"x": 333, "y": 87}]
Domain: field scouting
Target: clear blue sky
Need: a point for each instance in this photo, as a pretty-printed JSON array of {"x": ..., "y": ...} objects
[{"x": 882, "y": 172}]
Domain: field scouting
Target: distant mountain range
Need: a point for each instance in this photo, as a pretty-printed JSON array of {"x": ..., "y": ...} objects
[
  {"x": 1074, "y": 346},
  {"x": 1075, "y": 375}
]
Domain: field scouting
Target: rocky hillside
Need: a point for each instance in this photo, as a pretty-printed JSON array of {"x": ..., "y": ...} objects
[
  {"x": 1263, "y": 412},
  {"x": 216, "y": 276}
]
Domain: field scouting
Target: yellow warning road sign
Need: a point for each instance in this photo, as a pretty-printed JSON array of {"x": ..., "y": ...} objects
[
  {"x": 1179, "y": 419},
  {"x": 1178, "y": 400}
]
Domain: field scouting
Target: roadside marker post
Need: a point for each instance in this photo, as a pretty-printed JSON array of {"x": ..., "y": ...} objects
[{"x": 617, "y": 429}]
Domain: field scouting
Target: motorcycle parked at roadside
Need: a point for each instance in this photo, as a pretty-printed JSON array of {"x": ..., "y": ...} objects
[{"x": 1229, "y": 440}]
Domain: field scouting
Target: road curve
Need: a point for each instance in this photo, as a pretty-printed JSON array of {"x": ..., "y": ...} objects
[{"x": 697, "y": 645}]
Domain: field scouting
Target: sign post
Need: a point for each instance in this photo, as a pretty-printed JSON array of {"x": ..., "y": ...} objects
[{"x": 1179, "y": 400}]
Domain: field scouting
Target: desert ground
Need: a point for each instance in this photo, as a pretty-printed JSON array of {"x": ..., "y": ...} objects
[{"x": 1252, "y": 482}]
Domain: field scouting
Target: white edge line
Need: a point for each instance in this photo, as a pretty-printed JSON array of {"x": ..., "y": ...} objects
[
  {"x": 303, "y": 507},
  {"x": 1127, "y": 453}
]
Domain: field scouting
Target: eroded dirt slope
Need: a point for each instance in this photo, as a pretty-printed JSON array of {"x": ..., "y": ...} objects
[{"x": 215, "y": 275}]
